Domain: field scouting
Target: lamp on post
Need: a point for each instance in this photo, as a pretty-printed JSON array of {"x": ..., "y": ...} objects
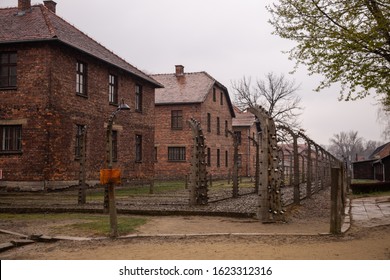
[{"x": 109, "y": 195}]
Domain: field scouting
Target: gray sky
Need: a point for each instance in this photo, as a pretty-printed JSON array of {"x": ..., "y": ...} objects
[{"x": 228, "y": 39}]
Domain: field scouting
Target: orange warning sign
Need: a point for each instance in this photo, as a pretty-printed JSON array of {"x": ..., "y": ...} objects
[{"x": 110, "y": 176}]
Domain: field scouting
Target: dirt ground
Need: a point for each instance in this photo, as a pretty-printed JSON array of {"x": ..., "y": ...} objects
[
  {"x": 303, "y": 236},
  {"x": 223, "y": 238}
]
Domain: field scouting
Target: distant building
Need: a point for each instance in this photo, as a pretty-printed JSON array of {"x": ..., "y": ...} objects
[
  {"x": 55, "y": 81},
  {"x": 244, "y": 125},
  {"x": 185, "y": 96},
  {"x": 376, "y": 167}
]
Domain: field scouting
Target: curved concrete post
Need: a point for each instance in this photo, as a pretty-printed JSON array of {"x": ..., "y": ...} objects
[{"x": 269, "y": 208}]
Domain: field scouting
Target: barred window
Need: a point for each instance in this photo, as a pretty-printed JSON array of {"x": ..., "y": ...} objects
[
  {"x": 11, "y": 138},
  {"x": 176, "y": 153}
]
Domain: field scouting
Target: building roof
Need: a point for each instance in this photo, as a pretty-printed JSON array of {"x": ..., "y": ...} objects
[
  {"x": 41, "y": 24},
  {"x": 381, "y": 152},
  {"x": 243, "y": 118},
  {"x": 187, "y": 88}
]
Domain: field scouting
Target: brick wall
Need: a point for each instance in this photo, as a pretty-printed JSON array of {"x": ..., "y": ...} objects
[
  {"x": 166, "y": 137},
  {"x": 247, "y": 150},
  {"x": 45, "y": 100}
]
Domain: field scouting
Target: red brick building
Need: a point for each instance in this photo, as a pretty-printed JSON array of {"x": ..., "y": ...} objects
[
  {"x": 186, "y": 96},
  {"x": 54, "y": 81},
  {"x": 244, "y": 126}
]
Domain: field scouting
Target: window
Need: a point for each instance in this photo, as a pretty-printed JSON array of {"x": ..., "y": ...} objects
[
  {"x": 176, "y": 153},
  {"x": 226, "y": 129},
  {"x": 218, "y": 158},
  {"x": 214, "y": 95},
  {"x": 218, "y": 127},
  {"x": 138, "y": 148},
  {"x": 11, "y": 138},
  {"x": 226, "y": 159},
  {"x": 208, "y": 157},
  {"x": 81, "y": 78},
  {"x": 114, "y": 145},
  {"x": 155, "y": 154},
  {"x": 8, "y": 70},
  {"x": 80, "y": 130},
  {"x": 238, "y": 135},
  {"x": 113, "y": 89},
  {"x": 221, "y": 100},
  {"x": 138, "y": 98},
  {"x": 208, "y": 122},
  {"x": 177, "y": 119}
]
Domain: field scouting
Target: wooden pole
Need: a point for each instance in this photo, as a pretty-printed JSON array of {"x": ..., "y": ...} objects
[{"x": 335, "y": 215}]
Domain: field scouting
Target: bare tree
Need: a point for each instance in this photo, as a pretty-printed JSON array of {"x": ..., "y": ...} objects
[
  {"x": 346, "y": 145},
  {"x": 276, "y": 94},
  {"x": 369, "y": 147}
]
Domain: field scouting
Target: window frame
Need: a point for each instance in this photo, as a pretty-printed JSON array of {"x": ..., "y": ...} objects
[
  {"x": 11, "y": 141},
  {"x": 113, "y": 89},
  {"x": 10, "y": 67},
  {"x": 208, "y": 157},
  {"x": 138, "y": 148},
  {"x": 218, "y": 126},
  {"x": 138, "y": 98},
  {"x": 177, "y": 119},
  {"x": 208, "y": 122},
  {"x": 226, "y": 158},
  {"x": 177, "y": 154},
  {"x": 77, "y": 148},
  {"x": 81, "y": 78},
  {"x": 114, "y": 147}
]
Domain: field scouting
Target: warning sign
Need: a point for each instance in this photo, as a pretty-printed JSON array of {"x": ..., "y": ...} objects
[{"x": 110, "y": 176}]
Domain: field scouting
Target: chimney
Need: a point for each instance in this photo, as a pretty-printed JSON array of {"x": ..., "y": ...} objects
[
  {"x": 23, "y": 6},
  {"x": 51, "y": 5},
  {"x": 179, "y": 70}
]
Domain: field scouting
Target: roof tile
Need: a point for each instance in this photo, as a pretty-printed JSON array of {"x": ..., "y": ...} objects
[{"x": 39, "y": 24}]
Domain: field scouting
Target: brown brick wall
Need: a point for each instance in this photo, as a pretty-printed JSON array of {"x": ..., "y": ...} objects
[
  {"x": 166, "y": 137},
  {"x": 46, "y": 99},
  {"x": 247, "y": 150}
]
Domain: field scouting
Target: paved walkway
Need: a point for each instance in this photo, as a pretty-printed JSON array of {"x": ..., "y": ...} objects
[{"x": 370, "y": 211}]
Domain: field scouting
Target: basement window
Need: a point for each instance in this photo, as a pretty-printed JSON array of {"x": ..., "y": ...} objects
[
  {"x": 11, "y": 138},
  {"x": 176, "y": 153}
]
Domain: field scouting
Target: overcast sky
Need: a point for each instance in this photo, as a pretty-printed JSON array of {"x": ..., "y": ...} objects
[{"x": 228, "y": 39}]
